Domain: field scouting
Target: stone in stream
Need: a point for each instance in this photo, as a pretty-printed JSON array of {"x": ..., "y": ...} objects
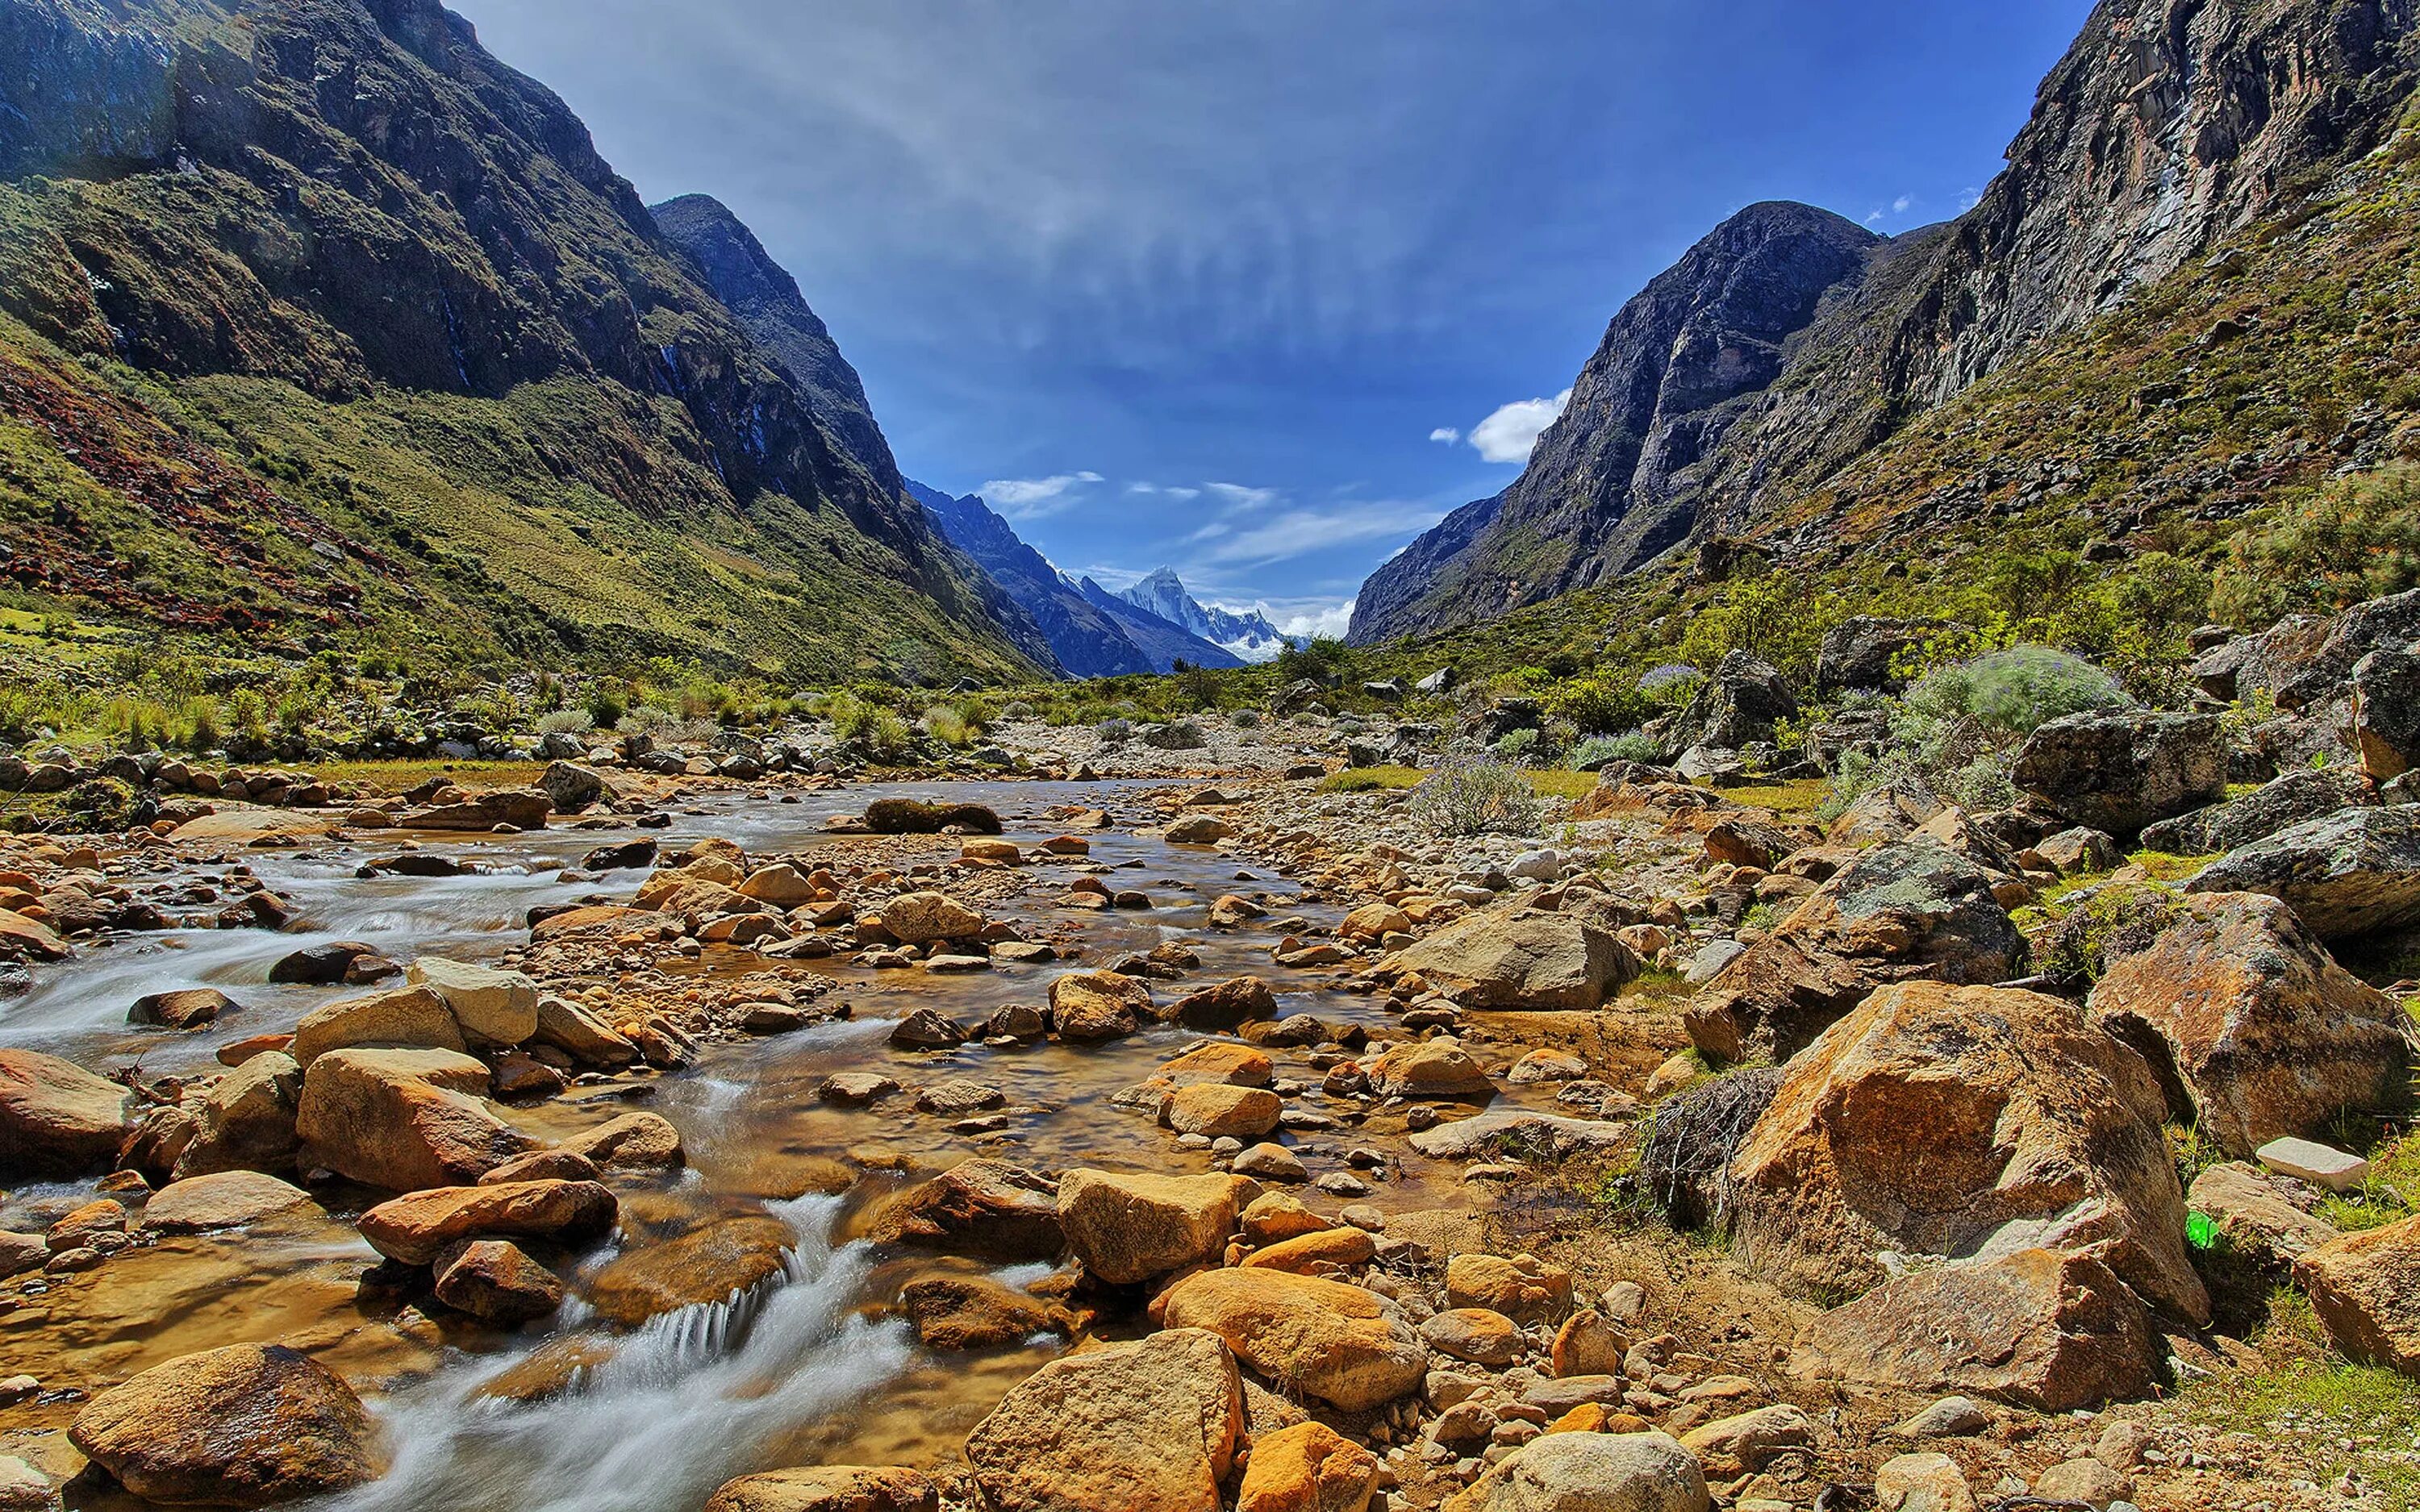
[
  {"x": 911, "y": 816},
  {"x": 56, "y": 1118},
  {"x": 495, "y": 1008},
  {"x": 986, "y": 1208},
  {"x": 320, "y": 965},
  {"x": 1088, "y": 1005},
  {"x": 921, "y": 918},
  {"x": 977, "y": 1313},
  {"x": 1343, "y": 1344},
  {"x": 187, "y": 1009},
  {"x": 1215, "y": 1109},
  {"x": 246, "y": 1122},
  {"x": 249, "y": 1425},
  {"x": 403, "y": 1119},
  {"x": 1225, "y": 1005},
  {"x": 1437, "y": 1068},
  {"x": 726, "y": 1256},
  {"x": 1530, "y": 960},
  {"x": 495, "y": 1281},
  {"x": 416, "y": 1228},
  {"x": 634, "y": 1141},
  {"x": 828, "y": 1489},
  {"x": 1131, "y": 1228},
  {"x": 225, "y": 1199},
  {"x": 399, "y": 1016},
  {"x": 1148, "y": 1426}
]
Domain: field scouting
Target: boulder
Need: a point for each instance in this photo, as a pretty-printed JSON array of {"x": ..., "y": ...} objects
[
  {"x": 414, "y": 1017},
  {"x": 1131, "y": 1228},
  {"x": 569, "y": 787},
  {"x": 2254, "y": 1215},
  {"x": 921, "y": 918},
  {"x": 521, "y": 809},
  {"x": 1307, "y": 1467},
  {"x": 1222, "y": 1062},
  {"x": 2052, "y": 1331},
  {"x": 1148, "y": 1426},
  {"x": 636, "y": 1141},
  {"x": 714, "y": 1263},
  {"x": 1199, "y": 829},
  {"x": 1521, "y": 1287},
  {"x": 828, "y": 1489},
  {"x": 2303, "y": 674},
  {"x": 1903, "y": 911},
  {"x": 578, "y": 1032},
  {"x": 495, "y": 1281},
  {"x": 403, "y": 1119},
  {"x": 30, "y": 939},
  {"x": 1963, "y": 1121},
  {"x": 1592, "y": 1473},
  {"x": 1882, "y": 814},
  {"x": 911, "y": 816},
  {"x": 1747, "y": 1442},
  {"x": 1478, "y": 1334},
  {"x": 493, "y": 1007},
  {"x": 226, "y": 1199},
  {"x": 986, "y": 1208},
  {"x": 188, "y": 1009},
  {"x": 2254, "y": 1030},
  {"x": 56, "y": 1118},
  {"x": 2365, "y": 1287},
  {"x": 1527, "y": 960},
  {"x": 1221, "y": 1111},
  {"x": 1098, "y": 1004},
  {"x": 417, "y": 1228},
  {"x": 249, "y": 1425},
  {"x": 1737, "y": 705},
  {"x": 1865, "y": 653},
  {"x": 2284, "y": 802},
  {"x": 2353, "y": 872},
  {"x": 1224, "y": 1005},
  {"x": 246, "y": 1122},
  {"x": 320, "y": 965},
  {"x": 2386, "y": 711},
  {"x": 1437, "y": 1068},
  {"x": 1314, "y": 1253},
  {"x": 2121, "y": 769},
  {"x": 781, "y": 885},
  {"x": 976, "y": 1313},
  {"x": 1305, "y": 1334}
]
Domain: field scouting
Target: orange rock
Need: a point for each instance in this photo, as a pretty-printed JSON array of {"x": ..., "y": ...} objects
[{"x": 1306, "y": 1467}]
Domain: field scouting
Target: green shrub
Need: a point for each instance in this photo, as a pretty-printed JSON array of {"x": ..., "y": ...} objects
[
  {"x": 2013, "y": 691},
  {"x": 565, "y": 722},
  {"x": 605, "y": 709},
  {"x": 2356, "y": 539},
  {"x": 1114, "y": 731},
  {"x": 1603, "y": 704},
  {"x": 948, "y": 724},
  {"x": 1630, "y": 746},
  {"x": 1473, "y": 793},
  {"x": 1245, "y": 718},
  {"x": 1519, "y": 746}
]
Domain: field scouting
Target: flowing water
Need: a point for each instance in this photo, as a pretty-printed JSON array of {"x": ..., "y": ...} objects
[{"x": 804, "y": 1369}]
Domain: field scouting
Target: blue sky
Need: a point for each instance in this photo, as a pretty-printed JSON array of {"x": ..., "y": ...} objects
[{"x": 1247, "y": 288}]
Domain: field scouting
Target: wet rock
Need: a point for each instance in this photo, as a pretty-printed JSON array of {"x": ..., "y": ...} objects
[
  {"x": 974, "y": 1313},
  {"x": 1306, "y": 1335},
  {"x": 987, "y": 1209},
  {"x": 2280, "y": 804},
  {"x": 417, "y": 1228},
  {"x": 2351, "y": 874},
  {"x": 28, "y": 939},
  {"x": 402, "y": 1120},
  {"x": 226, "y": 1199},
  {"x": 1530, "y": 960},
  {"x": 1436, "y": 1068},
  {"x": 2121, "y": 769},
  {"x": 921, "y": 918},
  {"x": 1199, "y": 829},
  {"x": 1131, "y": 1228},
  {"x": 625, "y": 856},
  {"x": 854, "y": 1087},
  {"x": 634, "y": 1141},
  {"x": 542, "y": 1165},
  {"x": 1903, "y": 911},
  {"x": 2039, "y": 1328},
  {"x": 927, "y": 1029},
  {"x": 573, "y": 1029},
  {"x": 1149, "y": 1427},
  {"x": 495, "y": 1281},
  {"x": 519, "y": 807},
  {"x": 828, "y": 1489},
  {"x": 2365, "y": 1287},
  {"x": 909, "y": 816},
  {"x": 1225, "y": 1005},
  {"x": 2254, "y": 1030},
  {"x": 1217, "y": 1110},
  {"x": 493, "y": 1007},
  {"x": 318, "y": 966},
  {"x": 1306, "y": 1467},
  {"x": 1098, "y": 1004},
  {"x": 1593, "y": 1472},
  {"x": 56, "y": 1118},
  {"x": 727, "y": 1256},
  {"x": 399, "y": 1016},
  {"x": 188, "y": 1009},
  {"x": 1962, "y": 1121},
  {"x": 1521, "y": 1287},
  {"x": 250, "y": 1425}
]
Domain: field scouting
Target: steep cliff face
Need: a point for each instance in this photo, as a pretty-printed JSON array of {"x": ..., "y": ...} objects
[
  {"x": 351, "y": 202},
  {"x": 1082, "y": 640},
  {"x": 1610, "y": 482},
  {"x": 2169, "y": 124},
  {"x": 1163, "y": 642}
]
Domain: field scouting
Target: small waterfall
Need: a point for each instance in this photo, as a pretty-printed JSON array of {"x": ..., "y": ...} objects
[{"x": 690, "y": 1400}]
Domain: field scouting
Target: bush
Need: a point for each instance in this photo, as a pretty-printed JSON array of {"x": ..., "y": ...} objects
[
  {"x": 1177, "y": 734},
  {"x": 948, "y": 724},
  {"x": 1017, "y": 709},
  {"x": 565, "y": 722},
  {"x": 1318, "y": 658},
  {"x": 1630, "y": 746},
  {"x": 605, "y": 709},
  {"x": 1472, "y": 794},
  {"x": 1245, "y": 718},
  {"x": 1519, "y": 746},
  {"x": 1113, "y": 731},
  {"x": 1602, "y": 703},
  {"x": 884, "y": 737},
  {"x": 2356, "y": 538},
  {"x": 2011, "y": 692}
]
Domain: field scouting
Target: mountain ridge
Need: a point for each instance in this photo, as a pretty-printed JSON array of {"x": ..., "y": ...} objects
[{"x": 1249, "y": 636}]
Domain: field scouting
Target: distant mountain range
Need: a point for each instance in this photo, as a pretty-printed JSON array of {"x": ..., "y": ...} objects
[{"x": 1092, "y": 631}]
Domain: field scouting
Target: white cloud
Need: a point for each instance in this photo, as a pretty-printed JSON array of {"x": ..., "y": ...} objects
[
  {"x": 1875, "y": 218},
  {"x": 1239, "y": 498},
  {"x": 1900, "y": 206},
  {"x": 1332, "y": 620},
  {"x": 1445, "y": 434},
  {"x": 1508, "y": 435},
  {"x": 1298, "y": 531},
  {"x": 1034, "y": 497},
  {"x": 1969, "y": 199}
]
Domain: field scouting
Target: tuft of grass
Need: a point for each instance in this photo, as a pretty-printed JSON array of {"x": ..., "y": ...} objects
[
  {"x": 1789, "y": 801},
  {"x": 2350, "y": 1420},
  {"x": 1372, "y": 780},
  {"x": 402, "y": 777},
  {"x": 1560, "y": 784},
  {"x": 2388, "y": 1193}
]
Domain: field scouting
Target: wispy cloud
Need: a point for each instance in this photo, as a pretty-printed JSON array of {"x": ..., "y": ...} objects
[
  {"x": 1332, "y": 620},
  {"x": 1508, "y": 435},
  {"x": 1035, "y": 498},
  {"x": 1299, "y": 531},
  {"x": 1238, "y": 498},
  {"x": 1445, "y": 434},
  {"x": 1901, "y": 204}
]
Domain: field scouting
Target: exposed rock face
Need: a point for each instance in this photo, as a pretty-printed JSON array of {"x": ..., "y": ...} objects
[
  {"x": 1149, "y": 1427},
  {"x": 2280, "y": 804},
  {"x": 250, "y": 1425},
  {"x": 1963, "y": 1121},
  {"x": 2352, "y": 872},
  {"x": 1736, "y": 705},
  {"x": 2254, "y": 1029},
  {"x": 1530, "y": 960},
  {"x": 2121, "y": 769},
  {"x": 2386, "y": 711},
  {"x": 1857, "y": 654},
  {"x": 2049, "y": 1331},
  {"x": 1340, "y": 1343},
  {"x": 56, "y": 1118},
  {"x": 2365, "y": 1287},
  {"x": 1899, "y": 913},
  {"x": 1609, "y": 483}
]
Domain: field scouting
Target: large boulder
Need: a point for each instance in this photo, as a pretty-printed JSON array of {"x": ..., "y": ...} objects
[
  {"x": 2279, "y": 804},
  {"x": 921, "y": 918},
  {"x": 1148, "y": 1426},
  {"x": 225, "y": 1199},
  {"x": 714, "y": 1263},
  {"x": 2301, "y": 673},
  {"x": 495, "y": 1008},
  {"x": 1592, "y": 1473},
  {"x": 246, "y": 1122},
  {"x": 2386, "y": 711},
  {"x": 412, "y": 1016},
  {"x": 570, "y": 786},
  {"x": 416, "y": 1228},
  {"x": 1902, "y": 912},
  {"x": 1865, "y": 653},
  {"x": 828, "y": 1489},
  {"x": 403, "y": 1119},
  {"x": 913, "y": 816},
  {"x": 2254, "y": 1029},
  {"x": 1306, "y": 1467},
  {"x": 2121, "y": 769},
  {"x": 1963, "y": 1121},
  {"x": 1737, "y": 705},
  {"x": 1087, "y": 1006},
  {"x": 1527, "y": 960},
  {"x": 1306, "y": 1335},
  {"x": 2050, "y": 1331},
  {"x": 1437, "y": 1068},
  {"x": 2353, "y": 872},
  {"x": 249, "y": 1425},
  {"x": 986, "y": 1208},
  {"x": 1131, "y": 1228},
  {"x": 2365, "y": 1287},
  {"x": 56, "y": 1118},
  {"x": 520, "y": 807}
]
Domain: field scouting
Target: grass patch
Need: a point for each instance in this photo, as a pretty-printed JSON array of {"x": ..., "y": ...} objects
[
  {"x": 1789, "y": 801},
  {"x": 2355, "y": 1420},
  {"x": 1562, "y": 784},
  {"x": 1372, "y": 780},
  {"x": 1656, "y": 988},
  {"x": 402, "y": 777},
  {"x": 2164, "y": 867},
  {"x": 2386, "y": 1194}
]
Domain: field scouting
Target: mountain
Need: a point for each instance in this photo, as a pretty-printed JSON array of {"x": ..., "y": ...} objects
[
  {"x": 1084, "y": 640},
  {"x": 319, "y": 326},
  {"x": 1251, "y": 637},
  {"x": 1789, "y": 345},
  {"x": 1163, "y": 641}
]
